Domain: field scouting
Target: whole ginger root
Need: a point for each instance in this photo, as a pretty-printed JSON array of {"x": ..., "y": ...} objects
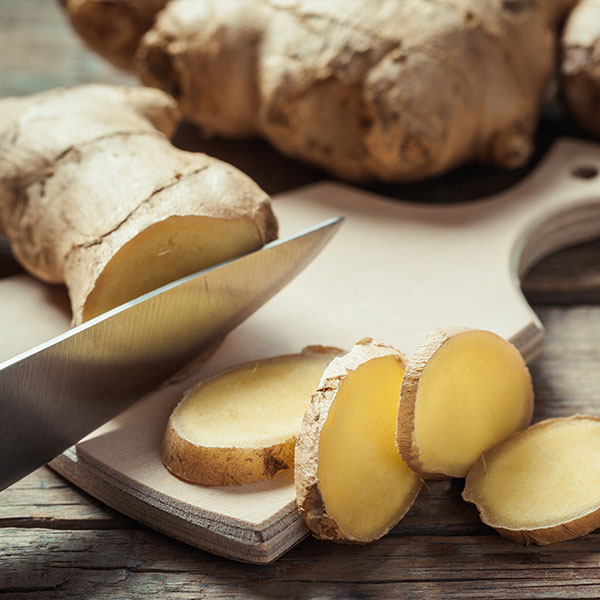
[
  {"x": 388, "y": 90},
  {"x": 93, "y": 195}
]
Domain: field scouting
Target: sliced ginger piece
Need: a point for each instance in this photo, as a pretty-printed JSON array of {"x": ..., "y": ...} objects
[
  {"x": 541, "y": 485},
  {"x": 464, "y": 391},
  {"x": 240, "y": 426},
  {"x": 351, "y": 484}
]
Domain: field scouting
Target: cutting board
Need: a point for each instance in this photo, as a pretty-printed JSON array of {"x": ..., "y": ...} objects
[{"x": 394, "y": 271}]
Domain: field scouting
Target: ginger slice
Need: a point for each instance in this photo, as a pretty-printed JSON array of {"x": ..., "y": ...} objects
[
  {"x": 541, "y": 485},
  {"x": 351, "y": 484},
  {"x": 464, "y": 391},
  {"x": 240, "y": 426}
]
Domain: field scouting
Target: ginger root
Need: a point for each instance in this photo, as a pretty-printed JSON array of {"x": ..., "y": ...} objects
[
  {"x": 463, "y": 392},
  {"x": 580, "y": 68},
  {"x": 351, "y": 484},
  {"x": 240, "y": 426},
  {"x": 541, "y": 485},
  {"x": 392, "y": 91},
  {"x": 93, "y": 195},
  {"x": 387, "y": 90}
]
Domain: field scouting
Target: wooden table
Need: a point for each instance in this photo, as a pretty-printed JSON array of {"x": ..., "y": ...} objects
[{"x": 57, "y": 542}]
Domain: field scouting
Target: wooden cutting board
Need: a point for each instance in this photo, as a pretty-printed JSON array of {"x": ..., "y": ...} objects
[{"x": 394, "y": 271}]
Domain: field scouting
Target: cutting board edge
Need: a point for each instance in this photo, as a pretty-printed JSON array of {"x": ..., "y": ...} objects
[{"x": 269, "y": 544}]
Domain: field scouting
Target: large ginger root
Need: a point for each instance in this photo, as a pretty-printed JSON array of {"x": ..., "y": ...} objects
[
  {"x": 351, "y": 484},
  {"x": 92, "y": 194},
  {"x": 542, "y": 485},
  {"x": 463, "y": 392},
  {"x": 383, "y": 90},
  {"x": 113, "y": 28},
  {"x": 241, "y": 425},
  {"x": 580, "y": 67}
]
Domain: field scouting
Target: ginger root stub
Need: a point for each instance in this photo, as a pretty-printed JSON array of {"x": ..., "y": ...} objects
[
  {"x": 240, "y": 426},
  {"x": 541, "y": 485},
  {"x": 351, "y": 484},
  {"x": 464, "y": 391},
  {"x": 93, "y": 195}
]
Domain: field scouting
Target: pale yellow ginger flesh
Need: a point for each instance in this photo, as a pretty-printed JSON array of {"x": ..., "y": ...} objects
[
  {"x": 543, "y": 484},
  {"x": 254, "y": 405},
  {"x": 175, "y": 247},
  {"x": 463, "y": 393},
  {"x": 362, "y": 478},
  {"x": 351, "y": 483},
  {"x": 241, "y": 425}
]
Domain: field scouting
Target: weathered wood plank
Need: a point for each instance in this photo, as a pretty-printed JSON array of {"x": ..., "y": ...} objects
[
  {"x": 567, "y": 375},
  {"x": 39, "y": 51},
  {"x": 44, "y": 499},
  {"x": 131, "y": 563},
  {"x": 571, "y": 276}
]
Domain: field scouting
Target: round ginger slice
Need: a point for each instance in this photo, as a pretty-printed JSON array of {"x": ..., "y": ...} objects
[
  {"x": 240, "y": 426},
  {"x": 351, "y": 484},
  {"x": 541, "y": 485},
  {"x": 464, "y": 391}
]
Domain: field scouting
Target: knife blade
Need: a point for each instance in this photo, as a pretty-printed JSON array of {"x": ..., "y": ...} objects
[{"x": 56, "y": 393}]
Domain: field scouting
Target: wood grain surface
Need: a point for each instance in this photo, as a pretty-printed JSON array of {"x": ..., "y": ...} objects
[{"x": 56, "y": 542}]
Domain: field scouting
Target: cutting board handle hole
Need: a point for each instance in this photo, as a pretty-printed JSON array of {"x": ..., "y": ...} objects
[{"x": 585, "y": 172}]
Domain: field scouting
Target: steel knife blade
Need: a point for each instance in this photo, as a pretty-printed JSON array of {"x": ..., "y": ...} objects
[{"x": 53, "y": 395}]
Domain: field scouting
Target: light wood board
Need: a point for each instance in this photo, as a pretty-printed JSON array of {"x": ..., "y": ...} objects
[{"x": 394, "y": 271}]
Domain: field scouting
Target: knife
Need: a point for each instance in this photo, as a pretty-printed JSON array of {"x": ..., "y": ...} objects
[{"x": 53, "y": 395}]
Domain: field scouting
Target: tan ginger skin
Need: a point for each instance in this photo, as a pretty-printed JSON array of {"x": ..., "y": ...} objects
[
  {"x": 387, "y": 90},
  {"x": 93, "y": 195}
]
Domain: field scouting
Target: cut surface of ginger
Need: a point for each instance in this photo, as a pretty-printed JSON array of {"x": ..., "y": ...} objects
[
  {"x": 464, "y": 392},
  {"x": 165, "y": 252},
  {"x": 352, "y": 485},
  {"x": 241, "y": 425},
  {"x": 545, "y": 478}
]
